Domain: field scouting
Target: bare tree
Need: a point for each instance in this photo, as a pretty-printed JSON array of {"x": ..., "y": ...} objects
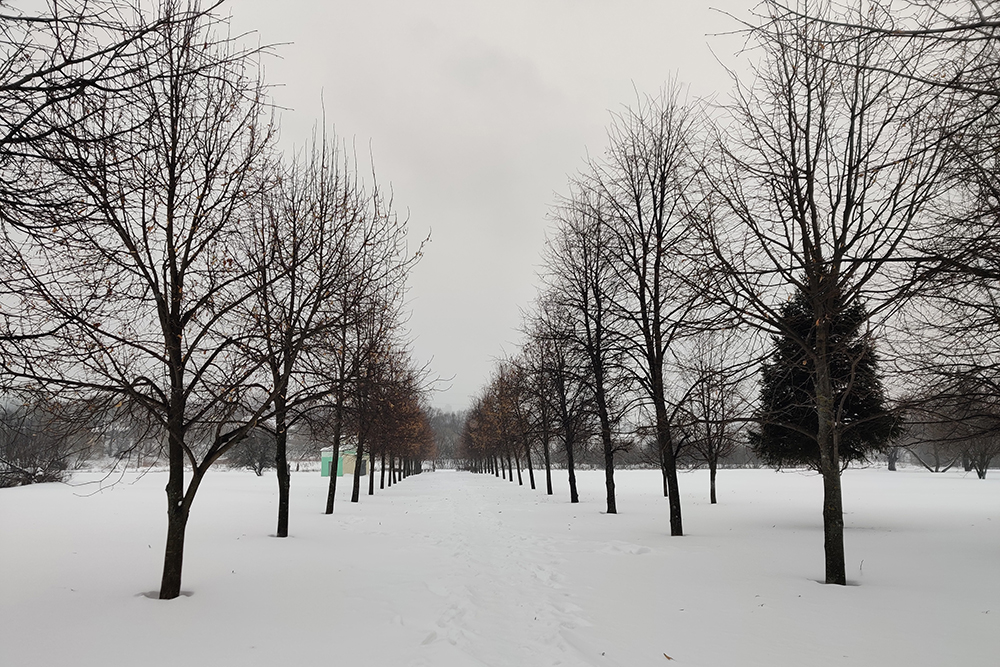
[
  {"x": 400, "y": 428},
  {"x": 568, "y": 374},
  {"x": 957, "y": 420},
  {"x": 953, "y": 48},
  {"x": 536, "y": 364},
  {"x": 718, "y": 403},
  {"x": 312, "y": 234},
  {"x": 644, "y": 184},
  {"x": 255, "y": 452},
  {"x": 145, "y": 268},
  {"x": 956, "y": 40},
  {"x": 369, "y": 306},
  {"x": 478, "y": 443},
  {"x": 50, "y": 58},
  {"x": 826, "y": 168},
  {"x": 582, "y": 279}
]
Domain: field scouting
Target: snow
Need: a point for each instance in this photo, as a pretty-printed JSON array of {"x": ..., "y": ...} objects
[{"x": 454, "y": 569}]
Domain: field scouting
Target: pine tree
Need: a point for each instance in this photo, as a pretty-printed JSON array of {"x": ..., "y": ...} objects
[{"x": 787, "y": 417}]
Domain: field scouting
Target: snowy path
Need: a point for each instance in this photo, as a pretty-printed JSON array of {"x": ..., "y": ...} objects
[
  {"x": 504, "y": 601},
  {"x": 459, "y": 570}
]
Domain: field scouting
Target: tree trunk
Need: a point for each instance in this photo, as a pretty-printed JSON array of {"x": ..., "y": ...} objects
[
  {"x": 609, "y": 457},
  {"x": 177, "y": 507},
  {"x": 574, "y": 497},
  {"x": 178, "y": 512},
  {"x": 173, "y": 557},
  {"x": 601, "y": 400},
  {"x": 381, "y": 483},
  {"x": 281, "y": 464},
  {"x": 527, "y": 460},
  {"x": 833, "y": 508},
  {"x": 666, "y": 443},
  {"x": 663, "y": 470},
  {"x": 338, "y": 420},
  {"x": 371, "y": 473},
  {"x": 548, "y": 462},
  {"x": 833, "y": 528},
  {"x": 359, "y": 457},
  {"x": 517, "y": 461},
  {"x": 284, "y": 493},
  {"x": 713, "y": 466},
  {"x": 673, "y": 488}
]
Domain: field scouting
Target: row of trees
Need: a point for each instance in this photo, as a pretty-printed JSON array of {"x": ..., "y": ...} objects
[
  {"x": 845, "y": 195},
  {"x": 168, "y": 271}
]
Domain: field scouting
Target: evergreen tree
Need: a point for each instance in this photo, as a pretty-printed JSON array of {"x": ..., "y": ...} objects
[{"x": 787, "y": 418}]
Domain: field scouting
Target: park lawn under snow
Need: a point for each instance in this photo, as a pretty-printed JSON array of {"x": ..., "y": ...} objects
[{"x": 455, "y": 569}]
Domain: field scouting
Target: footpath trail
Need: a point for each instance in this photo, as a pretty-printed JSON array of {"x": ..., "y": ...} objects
[
  {"x": 455, "y": 569},
  {"x": 501, "y": 596}
]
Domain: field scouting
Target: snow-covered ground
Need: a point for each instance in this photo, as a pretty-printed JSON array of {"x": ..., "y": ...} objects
[{"x": 455, "y": 569}]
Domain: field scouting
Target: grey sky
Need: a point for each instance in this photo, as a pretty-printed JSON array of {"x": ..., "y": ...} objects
[{"x": 476, "y": 112}]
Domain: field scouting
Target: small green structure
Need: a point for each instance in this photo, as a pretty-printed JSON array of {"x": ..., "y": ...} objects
[
  {"x": 326, "y": 462},
  {"x": 347, "y": 454}
]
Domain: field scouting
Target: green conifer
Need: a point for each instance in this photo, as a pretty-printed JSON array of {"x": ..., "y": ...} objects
[{"x": 787, "y": 420}]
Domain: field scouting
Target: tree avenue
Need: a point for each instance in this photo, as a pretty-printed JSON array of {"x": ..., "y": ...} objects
[
  {"x": 846, "y": 192},
  {"x": 171, "y": 274}
]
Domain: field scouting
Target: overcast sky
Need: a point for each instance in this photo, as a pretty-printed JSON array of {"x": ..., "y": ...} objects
[{"x": 477, "y": 112}]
